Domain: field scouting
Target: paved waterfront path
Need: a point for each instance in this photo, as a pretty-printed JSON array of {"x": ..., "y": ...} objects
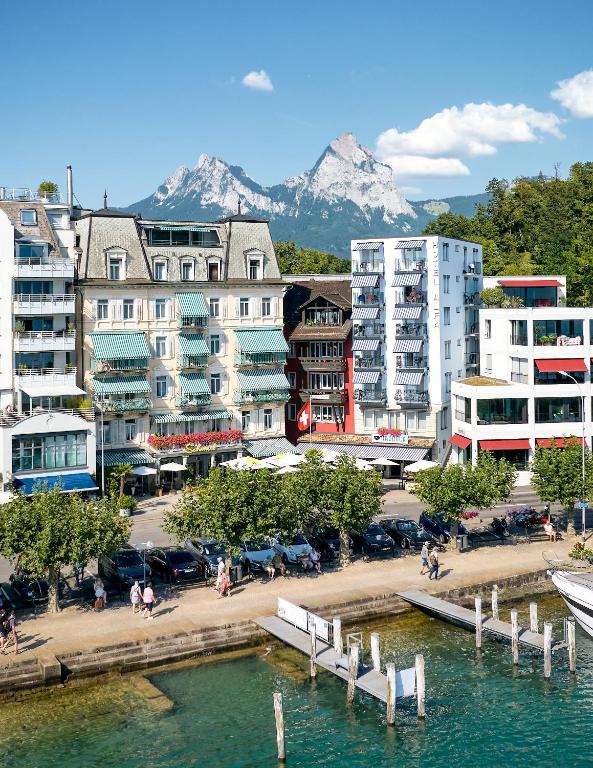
[{"x": 78, "y": 628}]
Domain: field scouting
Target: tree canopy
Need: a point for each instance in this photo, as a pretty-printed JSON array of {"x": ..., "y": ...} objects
[
  {"x": 47, "y": 187},
  {"x": 557, "y": 473},
  {"x": 293, "y": 260},
  {"x": 534, "y": 226}
]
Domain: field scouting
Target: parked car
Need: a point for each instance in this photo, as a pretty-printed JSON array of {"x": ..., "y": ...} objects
[
  {"x": 406, "y": 533},
  {"x": 327, "y": 542},
  {"x": 207, "y": 551},
  {"x": 254, "y": 554},
  {"x": 291, "y": 548},
  {"x": 175, "y": 565},
  {"x": 29, "y": 589},
  {"x": 124, "y": 567},
  {"x": 372, "y": 540},
  {"x": 439, "y": 527}
]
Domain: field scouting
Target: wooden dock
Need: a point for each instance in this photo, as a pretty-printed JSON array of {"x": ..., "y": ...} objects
[{"x": 466, "y": 618}]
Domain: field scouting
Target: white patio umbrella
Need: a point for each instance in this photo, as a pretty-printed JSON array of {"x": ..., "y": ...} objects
[
  {"x": 381, "y": 462},
  {"x": 286, "y": 459},
  {"x": 362, "y": 465},
  {"x": 143, "y": 471},
  {"x": 287, "y": 470},
  {"x": 418, "y": 466},
  {"x": 247, "y": 463},
  {"x": 173, "y": 466}
]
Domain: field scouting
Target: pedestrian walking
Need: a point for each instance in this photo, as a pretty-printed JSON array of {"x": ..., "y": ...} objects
[
  {"x": 100, "y": 595},
  {"x": 12, "y": 632},
  {"x": 4, "y": 630},
  {"x": 424, "y": 556},
  {"x": 220, "y": 569},
  {"x": 225, "y": 585},
  {"x": 433, "y": 559},
  {"x": 135, "y": 597},
  {"x": 149, "y": 600}
]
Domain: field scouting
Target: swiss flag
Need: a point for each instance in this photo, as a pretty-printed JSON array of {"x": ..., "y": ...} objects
[{"x": 305, "y": 417}]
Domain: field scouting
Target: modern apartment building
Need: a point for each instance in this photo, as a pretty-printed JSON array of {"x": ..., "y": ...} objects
[
  {"x": 415, "y": 331},
  {"x": 47, "y": 428},
  {"x": 183, "y": 347},
  {"x": 535, "y": 375}
]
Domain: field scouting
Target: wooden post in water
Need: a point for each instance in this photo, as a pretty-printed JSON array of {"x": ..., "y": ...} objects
[
  {"x": 533, "y": 622},
  {"x": 495, "y": 602},
  {"x": 515, "y": 636},
  {"x": 376, "y": 651},
  {"x": 420, "y": 687},
  {"x": 390, "y": 694},
  {"x": 352, "y": 672},
  {"x": 572, "y": 646},
  {"x": 337, "y": 626},
  {"x": 478, "y": 622},
  {"x": 313, "y": 670},
  {"x": 547, "y": 650},
  {"x": 279, "y": 714}
]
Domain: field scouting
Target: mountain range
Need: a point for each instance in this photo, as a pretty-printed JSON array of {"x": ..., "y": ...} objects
[{"x": 347, "y": 194}]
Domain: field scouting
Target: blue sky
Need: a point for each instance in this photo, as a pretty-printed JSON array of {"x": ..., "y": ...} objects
[{"x": 128, "y": 91}]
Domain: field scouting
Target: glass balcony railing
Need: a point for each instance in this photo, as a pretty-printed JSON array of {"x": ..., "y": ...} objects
[
  {"x": 261, "y": 396},
  {"x": 366, "y": 299},
  {"x": 411, "y": 265}
]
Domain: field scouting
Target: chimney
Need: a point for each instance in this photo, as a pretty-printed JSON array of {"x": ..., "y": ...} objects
[{"x": 69, "y": 189}]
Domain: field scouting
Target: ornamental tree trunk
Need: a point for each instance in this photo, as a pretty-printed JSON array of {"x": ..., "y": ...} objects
[
  {"x": 53, "y": 602},
  {"x": 344, "y": 548},
  {"x": 453, "y": 536}
]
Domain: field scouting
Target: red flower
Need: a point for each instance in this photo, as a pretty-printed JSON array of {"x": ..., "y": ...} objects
[{"x": 167, "y": 442}]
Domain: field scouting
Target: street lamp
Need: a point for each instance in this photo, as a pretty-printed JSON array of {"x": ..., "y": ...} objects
[
  {"x": 142, "y": 547},
  {"x": 582, "y": 396},
  {"x": 101, "y": 406}
]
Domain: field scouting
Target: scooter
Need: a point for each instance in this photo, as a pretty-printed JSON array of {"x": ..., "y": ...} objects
[{"x": 500, "y": 526}]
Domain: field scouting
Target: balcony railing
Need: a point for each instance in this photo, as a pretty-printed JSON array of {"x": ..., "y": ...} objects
[
  {"x": 192, "y": 323},
  {"x": 193, "y": 401},
  {"x": 366, "y": 267},
  {"x": 471, "y": 298},
  {"x": 370, "y": 396},
  {"x": 472, "y": 329},
  {"x": 411, "y": 397},
  {"x": 192, "y": 361},
  {"x": 43, "y": 303},
  {"x": 120, "y": 405},
  {"x": 9, "y": 418},
  {"x": 556, "y": 340},
  {"x": 119, "y": 366},
  {"x": 519, "y": 339},
  {"x": 414, "y": 297},
  {"x": 520, "y": 378},
  {"x": 410, "y": 330},
  {"x": 368, "y": 331},
  {"x": 36, "y": 341},
  {"x": 472, "y": 358},
  {"x": 46, "y": 376},
  {"x": 44, "y": 267},
  {"x": 27, "y": 195},
  {"x": 261, "y": 396},
  {"x": 412, "y": 362},
  {"x": 323, "y": 363},
  {"x": 333, "y": 396},
  {"x": 261, "y": 358},
  {"x": 369, "y": 362},
  {"x": 366, "y": 300},
  {"x": 410, "y": 265}
]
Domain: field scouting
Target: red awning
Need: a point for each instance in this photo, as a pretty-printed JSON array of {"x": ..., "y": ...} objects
[
  {"x": 555, "y": 364},
  {"x": 559, "y": 442},
  {"x": 504, "y": 445},
  {"x": 460, "y": 441},
  {"x": 530, "y": 283}
]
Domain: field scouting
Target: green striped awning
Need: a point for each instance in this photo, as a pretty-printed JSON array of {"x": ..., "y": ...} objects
[
  {"x": 120, "y": 385},
  {"x": 264, "y": 379},
  {"x": 193, "y": 384},
  {"x": 120, "y": 345},
  {"x": 192, "y": 305},
  {"x": 193, "y": 345},
  {"x": 135, "y": 456},
  {"x": 269, "y": 446},
  {"x": 254, "y": 340},
  {"x": 179, "y": 418}
]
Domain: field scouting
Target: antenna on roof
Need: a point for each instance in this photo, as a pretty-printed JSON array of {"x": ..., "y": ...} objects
[
  {"x": 238, "y": 206},
  {"x": 105, "y": 199}
]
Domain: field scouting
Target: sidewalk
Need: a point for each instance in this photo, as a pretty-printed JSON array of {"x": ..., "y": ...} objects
[{"x": 81, "y": 629}]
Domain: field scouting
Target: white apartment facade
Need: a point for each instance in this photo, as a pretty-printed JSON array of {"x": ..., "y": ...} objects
[
  {"x": 415, "y": 331},
  {"x": 47, "y": 428},
  {"x": 521, "y": 399},
  {"x": 183, "y": 346}
]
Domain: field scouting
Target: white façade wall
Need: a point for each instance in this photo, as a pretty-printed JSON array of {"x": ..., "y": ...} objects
[{"x": 6, "y": 327}]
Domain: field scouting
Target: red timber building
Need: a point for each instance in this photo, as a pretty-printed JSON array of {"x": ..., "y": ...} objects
[{"x": 318, "y": 329}]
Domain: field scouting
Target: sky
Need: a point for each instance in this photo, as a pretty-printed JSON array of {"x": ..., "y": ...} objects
[{"x": 448, "y": 94}]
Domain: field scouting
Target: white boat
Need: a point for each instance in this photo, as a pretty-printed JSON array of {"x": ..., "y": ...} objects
[{"x": 576, "y": 589}]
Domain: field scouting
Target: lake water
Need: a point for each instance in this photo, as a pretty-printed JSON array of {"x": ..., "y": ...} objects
[{"x": 480, "y": 711}]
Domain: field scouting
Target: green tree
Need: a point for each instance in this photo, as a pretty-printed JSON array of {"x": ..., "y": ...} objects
[
  {"x": 47, "y": 188},
  {"x": 119, "y": 474},
  {"x": 293, "y": 260},
  {"x": 50, "y": 529},
  {"x": 557, "y": 473},
  {"x": 304, "y": 491}
]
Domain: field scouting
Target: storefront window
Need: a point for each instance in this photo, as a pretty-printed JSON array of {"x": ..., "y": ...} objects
[{"x": 48, "y": 451}]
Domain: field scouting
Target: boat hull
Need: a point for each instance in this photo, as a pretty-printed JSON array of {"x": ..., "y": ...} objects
[{"x": 577, "y": 593}]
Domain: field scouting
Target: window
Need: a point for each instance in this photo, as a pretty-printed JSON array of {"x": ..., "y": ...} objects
[
  {"x": 463, "y": 409},
  {"x": 503, "y": 411},
  {"x": 328, "y": 413},
  {"x": 292, "y": 412},
  {"x": 557, "y": 409},
  {"x": 254, "y": 269},
  {"x": 245, "y": 420},
  {"x": 519, "y": 370},
  {"x": 53, "y": 451},
  {"x": 268, "y": 418},
  {"x": 106, "y": 432},
  {"x": 160, "y": 346},
  {"x": 488, "y": 329},
  {"x": 215, "y": 344},
  {"x": 179, "y": 236},
  {"x": 446, "y": 315},
  {"x": 160, "y": 270},
  {"x": 488, "y": 366},
  {"x": 266, "y": 307},
  {"x": 214, "y": 307},
  {"x": 213, "y": 271},
  {"x": 421, "y": 421},
  {"x": 131, "y": 430},
  {"x": 326, "y": 381},
  {"x": 555, "y": 377},
  {"x": 447, "y": 350},
  {"x": 447, "y": 382},
  {"x": 128, "y": 309},
  {"x": 215, "y": 383},
  {"x": 556, "y": 332},
  {"x": 446, "y": 283},
  {"x": 292, "y": 351},
  {"x": 161, "y": 386},
  {"x": 444, "y": 418},
  {"x": 519, "y": 332},
  {"x": 445, "y": 251},
  {"x": 187, "y": 271},
  {"x": 160, "y": 309},
  {"x": 28, "y": 217},
  {"x": 103, "y": 309},
  {"x": 243, "y": 307},
  {"x": 292, "y": 379},
  {"x": 115, "y": 268}
]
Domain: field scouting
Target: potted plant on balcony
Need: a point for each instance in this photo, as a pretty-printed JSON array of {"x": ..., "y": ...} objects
[{"x": 19, "y": 326}]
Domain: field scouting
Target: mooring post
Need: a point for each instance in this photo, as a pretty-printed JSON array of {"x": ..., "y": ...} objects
[
  {"x": 495, "y": 602},
  {"x": 572, "y": 646},
  {"x": 313, "y": 670},
  {"x": 279, "y": 714},
  {"x": 478, "y": 622},
  {"x": 515, "y": 636},
  {"x": 533, "y": 622},
  {"x": 390, "y": 694},
  {"x": 376, "y": 651},
  {"x": 547, "y": 650},
  {"x": 337, "y": 626},
  {"x": 420, "y": 686},
  {"x": 352, "y": 672}
]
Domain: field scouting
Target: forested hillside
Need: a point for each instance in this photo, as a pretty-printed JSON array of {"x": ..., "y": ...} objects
[
  {"x": 534, "y": 226},
  {"x": 293, "y": 260}
]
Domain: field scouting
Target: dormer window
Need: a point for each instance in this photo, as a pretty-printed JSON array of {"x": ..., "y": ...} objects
[
  {"x": 116, "y": 264},
  {"x": 159, "y": 269},
  {"x": 28, "y": 217},
  {"x": 255, "y": 268},
  {"x": 214, "y": 270},
  {"x": 187, "y": 271}
]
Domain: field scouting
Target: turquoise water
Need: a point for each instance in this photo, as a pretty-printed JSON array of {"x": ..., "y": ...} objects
[{"x": 480, "y": 711}]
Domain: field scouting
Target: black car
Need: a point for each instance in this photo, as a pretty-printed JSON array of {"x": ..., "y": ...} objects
[
  {"x": 207, "y": 551},
  {"x": 372, "y": 540},
  {"x": 439, "y": 527},
  {"x": 407, "y": 534},
  {"x": 327, "y": 542},
  {"x": 175, "y": 565},
  {"x": 124, "y": 567},
  {"x": 29, "y": 589}
]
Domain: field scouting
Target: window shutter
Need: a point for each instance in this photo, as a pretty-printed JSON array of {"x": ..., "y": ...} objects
[
  {"x": 94, "y": 311},
  {"x": 139, "y": 307},
  {"x": 237, "y": 307},
  {"x": 275, "y": 306},
  {"x": 255, "y": 306},
  {"x": 224, "y": 384}
]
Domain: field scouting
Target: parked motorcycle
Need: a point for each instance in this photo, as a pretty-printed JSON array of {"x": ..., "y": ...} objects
[{"x": 500, "y": 526}]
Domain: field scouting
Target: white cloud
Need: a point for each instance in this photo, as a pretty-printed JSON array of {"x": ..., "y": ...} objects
[
  {"x": 576, "y": 94},
  {"x": 259, "y": 81},
  {"x": 474, "y": 130}
]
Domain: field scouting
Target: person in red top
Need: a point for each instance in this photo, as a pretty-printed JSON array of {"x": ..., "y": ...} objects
[{"x": 149, "y": 599}]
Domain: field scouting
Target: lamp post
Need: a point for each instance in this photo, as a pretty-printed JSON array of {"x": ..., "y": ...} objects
[
  {"x": 101, "y": 406},
  {"x": 582, "y": 396}
]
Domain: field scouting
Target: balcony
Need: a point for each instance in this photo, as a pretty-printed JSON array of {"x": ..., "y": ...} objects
[
  {"x": 192, "y": 323},
  {"x": 370, "y": 396},
  {"x": 412, "y": 298},
  {"x": 412, "y": 362},
  {"x": 11, "y": 419},
  {"x": 367, "y": 300},
  {"x": 260, "y": 358},
  {"x": 193, "y": 401},
  {"x": 121, "y": 404},
  {"x": 368, "y": 267},
  {"x": 378, "y": 361},
  {"x": 123, "y": 365},
  {"x": 332, "y": 396},
  {"x": 369, "y": 331},
  {"x": 553, "y": 340},
  {"x": 193, "y": 362},
  {"x": 472, "y": 330},
  {"x": 323, "y": 363},
  {"x": 46, "y": 376},
  {"x": 43, "y": 304},
  {"x": 243, "y": 397},
  {"x": 411, "y": 398},
  {"x": 473, "y": 269},
  {"x": 27, "y": 195},
  {"x": 471, "y": 299},
  {"x": 519, "y": 339},
  {"x": 44, "y": 267},
  {"x": 410, "y": 330},
  {"x": 40, "y": 341},
  {"x": 410, "y": 265},
  {"x": 472, "y": 358}
]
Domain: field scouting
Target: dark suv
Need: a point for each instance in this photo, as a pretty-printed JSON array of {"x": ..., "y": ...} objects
[
  {"x": 175, "y": 565},
  {"x": 407, "y": 534},
  {"x": 372, "y": 540},
  {"x": 439, "y": 527},
  {"x": 124, "y": 567},
  {"x": 207, "y": 551}
]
